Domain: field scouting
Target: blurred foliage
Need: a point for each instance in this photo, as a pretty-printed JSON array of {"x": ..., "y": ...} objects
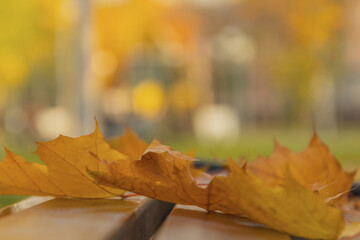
[
  {"x": 27, "y": 38},
  {"x": 297, "y": 40},
  {"x": 137, "y": 25}
]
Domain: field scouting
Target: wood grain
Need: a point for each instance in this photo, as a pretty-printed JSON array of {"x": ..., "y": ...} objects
[
  {"x": 111, "y": 219},
  {"x": 187, "y": 222},
  {"x": 23, "y": 205},
  {"x": 68, "y": 219}
]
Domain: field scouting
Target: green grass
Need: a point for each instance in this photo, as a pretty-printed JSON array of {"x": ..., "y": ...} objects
[
  {"x": 345, "y": 146},
  {"x": 6, "y": 200}
]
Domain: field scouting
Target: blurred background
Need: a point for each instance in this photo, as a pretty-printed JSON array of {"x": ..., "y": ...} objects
[{"x": 223, "y": 77}]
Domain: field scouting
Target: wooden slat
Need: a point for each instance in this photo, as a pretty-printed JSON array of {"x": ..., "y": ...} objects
[
  {"x": 23, "y": 205},
  {"x": 194, "y": 223},
  {"x": 112, "y": 219},
  {"x": 68, "y": 219},
  {"x": 144, "y": 221}
]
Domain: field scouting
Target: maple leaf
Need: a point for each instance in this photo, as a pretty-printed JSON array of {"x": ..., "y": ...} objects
[
  {"x": 134, "y": 147},
  {"x": 129, "y": 144},
  {"x": 289, "y": 208},
  {"x": 161, "y": 173},
  {"x": 165, "y": 175},
  {"x": 64, "y": 173},
  {"x": 315, "y": 168}
]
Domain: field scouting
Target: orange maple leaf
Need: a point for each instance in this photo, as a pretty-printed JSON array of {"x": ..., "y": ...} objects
[
  {"x": 160, "y": 173},
  {"x": 315, "y": 168},
  {"x": 129, "y": 144},
  {"x": 134, "y": 147},
  {"x": 64, "y": 173},
  {"x": 288, "y": 207}
]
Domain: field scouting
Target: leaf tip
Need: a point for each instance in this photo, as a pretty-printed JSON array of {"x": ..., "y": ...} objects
[
  {"x": 155, "y": 141},
  {"x": 7, "y": 151},
  {"x": 245, "y": 166},
  {"x": 315, "y": 139},
  {"x": 233, "y": 166},
  {"x": 129, "y": 131},
  {"x": 277, "y": 145},
  {"x": 97, "y": 128}
]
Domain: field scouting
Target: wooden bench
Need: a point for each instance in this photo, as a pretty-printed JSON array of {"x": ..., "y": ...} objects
[
  {"x": 190, "y": 222},
  {"x": 40, "y": 218}
]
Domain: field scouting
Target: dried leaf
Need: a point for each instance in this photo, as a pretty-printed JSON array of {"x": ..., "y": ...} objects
[
  {"x": 64, "y": 174},
  {"x": 315, "y": 168},
  {"x": 290, "y": 208},
  {"x": 160, "y": 173},
  {"x": 134, "y": 147},
  {"x": 165, "y": 175},
  {"x": 129, "y": 144}
]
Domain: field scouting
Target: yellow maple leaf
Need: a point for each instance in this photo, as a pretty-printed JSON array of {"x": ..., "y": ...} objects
[
  {"x": 315, "y": 168},
  {"x": 129, "y": 144},
  {"x": 289, "y": 208},
  {"x": 165, "y": 175},
  {"x": 64, "y": 173}
]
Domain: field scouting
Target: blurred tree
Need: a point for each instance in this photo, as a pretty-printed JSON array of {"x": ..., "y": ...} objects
[{"x": 297, "y": 41}]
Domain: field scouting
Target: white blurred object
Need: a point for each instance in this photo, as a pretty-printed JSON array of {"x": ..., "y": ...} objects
[
  {"x": 117, "y": 103},
  {"x": 51, "y": 122},
  {"x": 216, "y": 123},
  {"x": 213, "y": 3},
  {"x": 234, "y": 45},
  {"x": 205, "y": 4},
  {"x": 15, "y": 120}
]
